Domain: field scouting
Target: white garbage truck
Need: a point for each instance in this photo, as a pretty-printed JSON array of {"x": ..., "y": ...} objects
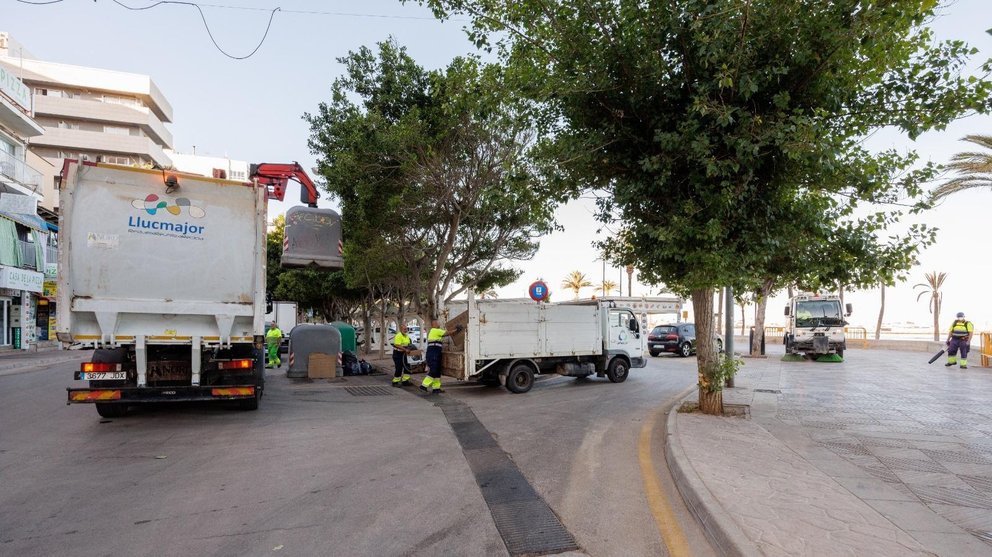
[
  {"x": 815, "y": 325},
  {"x": 508, "y": 342},
  {"x": 163, "y": 275}
]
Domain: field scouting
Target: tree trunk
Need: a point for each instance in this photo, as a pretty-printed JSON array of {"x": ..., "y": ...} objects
[
  {"x": 759, "y": 316},
  {"x": 367, "y": 324},
  {"x": 792, "y": 292},
  {"x": 936, "y": 317},
  {"x": 881, "y": 313},
  {"x": 743, "y": 319},
  {"x": 710, "y": 393},
  {"x": 382, "y": 329},
  {"x": 719, "y": 309}
]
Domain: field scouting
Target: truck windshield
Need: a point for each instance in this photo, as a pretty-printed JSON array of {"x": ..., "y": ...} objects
[{"x": 818, "y": 313}]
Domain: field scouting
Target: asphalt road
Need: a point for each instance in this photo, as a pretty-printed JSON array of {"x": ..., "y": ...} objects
[{"x": 324, "y": 469}]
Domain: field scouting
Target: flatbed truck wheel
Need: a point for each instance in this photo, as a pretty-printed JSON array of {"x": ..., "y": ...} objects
[
  {"x": 618, "y": 370},
  {"x": 520, "y": 379}
]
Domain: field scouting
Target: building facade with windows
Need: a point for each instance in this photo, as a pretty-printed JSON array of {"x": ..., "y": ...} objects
[
  {"x": 210, "y": 166},
  {"x": 27, "y": 242},
  {"x": 91, "y": 113}
]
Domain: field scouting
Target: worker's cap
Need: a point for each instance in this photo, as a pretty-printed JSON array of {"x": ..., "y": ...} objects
[{"x": 960, "y": 314}]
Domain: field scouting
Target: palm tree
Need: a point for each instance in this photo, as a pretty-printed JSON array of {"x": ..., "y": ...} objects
[
  {"x": 607, "y": 287},
  {"x": 973, "y": 169},
  {"x": 576, "y": 281},
  {"x": 934, "y": 281}
]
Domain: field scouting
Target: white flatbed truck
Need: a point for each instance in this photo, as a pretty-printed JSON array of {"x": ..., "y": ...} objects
[{"x": 508, "y": 342}]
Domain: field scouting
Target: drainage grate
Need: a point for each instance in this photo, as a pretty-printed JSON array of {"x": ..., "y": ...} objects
[
  {"x": 772, "y": 391},
  {"x": 523, "y": 519},
  {"x": 369, "y": 391}
]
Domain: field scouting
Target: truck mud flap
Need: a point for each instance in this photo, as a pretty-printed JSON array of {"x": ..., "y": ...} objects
[{"x": 134, "y": 395}]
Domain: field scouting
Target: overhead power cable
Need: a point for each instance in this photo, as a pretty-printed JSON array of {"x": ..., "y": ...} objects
[
  {"x": 203, "y": 17},
  {"x": 199, "y": 8}
]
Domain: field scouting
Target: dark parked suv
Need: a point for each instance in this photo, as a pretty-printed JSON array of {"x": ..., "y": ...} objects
[{"x": 679, "y": 338}]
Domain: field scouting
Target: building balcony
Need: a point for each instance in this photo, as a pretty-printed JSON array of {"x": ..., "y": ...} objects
[
  {"x": 82, "y": 140},
  {"x": 29, "y": 260},
  {"x": 96, "y": 111},
  {"x": 17, "y": 171}
]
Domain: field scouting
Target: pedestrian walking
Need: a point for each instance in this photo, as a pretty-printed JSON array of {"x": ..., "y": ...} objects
[
  {"x": 402, "y": 344},
  {"x": 273, "y": 338},
  {"x": 959, "y": 338},
  {"x": 432, "y": 383}
]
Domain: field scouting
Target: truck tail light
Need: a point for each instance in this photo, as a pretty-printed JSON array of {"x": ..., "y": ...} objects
[
  {"x": 98, "y": 367},
  {"x": 233, "y": 391},
  {"x": 236, "y": 364},
  {"x": 87, "y": 396}
]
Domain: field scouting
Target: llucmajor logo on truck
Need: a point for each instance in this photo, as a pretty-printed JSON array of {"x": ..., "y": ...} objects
[{"x": 154, "y": 206}]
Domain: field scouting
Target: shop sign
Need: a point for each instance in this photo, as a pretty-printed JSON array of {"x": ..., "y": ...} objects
[
  {"x": 21, "y": 279},
  {"x": 15, "y": 89},
  {"x": 51, "y": 269},
  {"x": 49, "y": 289}
]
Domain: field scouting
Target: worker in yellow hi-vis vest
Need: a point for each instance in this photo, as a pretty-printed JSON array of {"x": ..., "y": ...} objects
[
  {"x": 273, "y": 338},
  {"x": 959, "y": 338},
  {"x": 432, "y": 383},
  {"x": 402, "y": 344}
]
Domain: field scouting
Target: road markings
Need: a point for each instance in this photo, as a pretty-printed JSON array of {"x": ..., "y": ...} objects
[{"x": 658, "y": 501}]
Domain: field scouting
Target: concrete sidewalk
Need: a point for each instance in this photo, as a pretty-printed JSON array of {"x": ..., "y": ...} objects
[
  {"x": 879, "y": 455},
  {"x": 20, "y": 361}
]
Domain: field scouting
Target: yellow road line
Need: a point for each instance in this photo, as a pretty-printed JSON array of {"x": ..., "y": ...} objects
[{"x": 658, "y": 501}]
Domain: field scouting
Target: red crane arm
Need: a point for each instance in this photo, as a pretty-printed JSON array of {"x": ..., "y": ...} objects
[{"x": 274, "y": 176}]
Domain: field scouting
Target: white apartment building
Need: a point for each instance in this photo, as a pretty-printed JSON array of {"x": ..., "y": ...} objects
[
  {"x": 91, "y": 113},
  {"x": 210, "y": 166}
]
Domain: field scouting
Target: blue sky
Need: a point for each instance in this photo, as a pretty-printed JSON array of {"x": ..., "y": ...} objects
[{"x": 251, "y": 110}]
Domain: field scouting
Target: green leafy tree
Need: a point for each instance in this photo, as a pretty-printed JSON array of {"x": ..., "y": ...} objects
[
  {"x": 973, "y": 169},
  {"x": 725, "y": 129},
  {"x": 431, "y": 168}
]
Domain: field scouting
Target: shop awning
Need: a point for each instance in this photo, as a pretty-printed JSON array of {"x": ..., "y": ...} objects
[{"x": 30, "y": 221}]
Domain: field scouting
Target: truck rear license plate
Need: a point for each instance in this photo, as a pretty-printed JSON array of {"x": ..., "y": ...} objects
[{"x": 103, "y": 376}]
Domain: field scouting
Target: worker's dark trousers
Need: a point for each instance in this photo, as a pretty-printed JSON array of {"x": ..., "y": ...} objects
[
  {"x": 399, "y": 361},
  {"x": 434, "y": 361},
  {"x": 958, "y": 344}
]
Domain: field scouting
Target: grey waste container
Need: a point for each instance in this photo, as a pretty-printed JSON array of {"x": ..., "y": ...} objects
[{"x": 312, "y": 342}]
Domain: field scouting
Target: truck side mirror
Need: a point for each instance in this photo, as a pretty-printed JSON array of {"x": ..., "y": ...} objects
[
  {"x": 632, "y": 324},
  {"x": 786, "y": 311},
  {"x": 849, "y": 308}
]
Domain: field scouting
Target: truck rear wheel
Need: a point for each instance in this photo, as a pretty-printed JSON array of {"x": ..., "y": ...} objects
[
  {"x": 259, "y": 376},
  {"x": 109, "y": 356},
  {"x": 520, "y": 379},
  {"x": 618, "y": 370}
]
